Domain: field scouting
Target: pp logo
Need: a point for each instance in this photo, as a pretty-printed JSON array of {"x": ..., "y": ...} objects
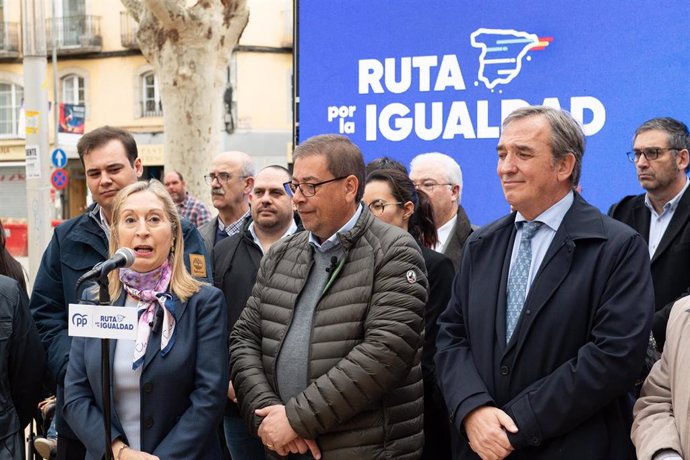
[
  {"x": 411, "y": 276},
  {"x": 79, "y": 320}
]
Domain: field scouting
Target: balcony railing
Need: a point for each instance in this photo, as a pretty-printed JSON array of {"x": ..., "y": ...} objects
[
  {"x": 151, "y": 109},
  {"x": 128, "y": 31},
  {"x": 75, "y": 34},
  {"x": 9, "y": 40}
]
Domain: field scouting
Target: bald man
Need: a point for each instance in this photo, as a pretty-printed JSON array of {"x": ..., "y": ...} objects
[{"x": 231, "y": 179}]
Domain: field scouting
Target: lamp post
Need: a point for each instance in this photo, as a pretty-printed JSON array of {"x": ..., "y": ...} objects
[{"x": 36, "y": 109}]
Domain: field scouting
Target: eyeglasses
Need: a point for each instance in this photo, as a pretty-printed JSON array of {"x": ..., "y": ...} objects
[
  {"x": 378, "y": 207},
  {"x": 306, "y": 188},
  {"x": 222, "y": 178},
  {"x": 428, "y": 186},
  {"x": 649, "y": 154}
]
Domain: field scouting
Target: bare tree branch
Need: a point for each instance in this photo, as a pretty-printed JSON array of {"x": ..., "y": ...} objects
[
  {"x": 134, "y": 8},
  {"x": 236, "y": 15},
  {"x": 169, "y": 12}
]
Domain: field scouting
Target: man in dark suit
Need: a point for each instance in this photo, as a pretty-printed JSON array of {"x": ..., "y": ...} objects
[
  {"x": 231, "y": 179},
  {"x": 662, "y": 214},
  {"x": 440, "y": 177},
  {"x": 551, "y": 311}
]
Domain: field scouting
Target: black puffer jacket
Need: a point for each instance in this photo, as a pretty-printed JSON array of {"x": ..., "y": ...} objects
[{"x": 365, "y": 399}]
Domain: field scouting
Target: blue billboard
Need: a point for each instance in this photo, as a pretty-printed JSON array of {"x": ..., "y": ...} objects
[{"x": 405, "y": 77}]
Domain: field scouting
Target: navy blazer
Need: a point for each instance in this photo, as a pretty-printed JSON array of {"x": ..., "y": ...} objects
[
  {"x": 577, "y": 349},
  {"x": 182, "y": 394}
]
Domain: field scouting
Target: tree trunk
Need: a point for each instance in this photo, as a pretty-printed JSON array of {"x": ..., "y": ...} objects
[{"x": 189, "y": 48}]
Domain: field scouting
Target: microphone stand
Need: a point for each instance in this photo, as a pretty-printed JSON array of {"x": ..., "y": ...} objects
[
  {"x": 104, "y": 299},
  {"x": 123, "y": 257}
]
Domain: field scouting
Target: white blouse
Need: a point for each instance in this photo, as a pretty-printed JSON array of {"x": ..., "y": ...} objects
[{"x": 126, "y": 388}]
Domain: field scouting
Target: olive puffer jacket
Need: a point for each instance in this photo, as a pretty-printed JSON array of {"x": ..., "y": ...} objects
[{"x": 365, "y": 397}]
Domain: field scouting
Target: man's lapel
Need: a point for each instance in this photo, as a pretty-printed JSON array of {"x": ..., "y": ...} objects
[
  {"x": 678, "y": 222},
  {"x": 489, "y": 300}
]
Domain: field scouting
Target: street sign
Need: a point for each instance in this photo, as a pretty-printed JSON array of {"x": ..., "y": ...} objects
[
  {"x": 33, "y": 162},
  {"x": 59, "y": 158},
  {"x": 59, "y": 179}
]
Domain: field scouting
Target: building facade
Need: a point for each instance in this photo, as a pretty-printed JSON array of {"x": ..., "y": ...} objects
[{"x": 100, "y": 67}]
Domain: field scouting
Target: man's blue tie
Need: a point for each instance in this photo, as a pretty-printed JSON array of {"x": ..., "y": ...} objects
[{"x": 519, "y": 277}]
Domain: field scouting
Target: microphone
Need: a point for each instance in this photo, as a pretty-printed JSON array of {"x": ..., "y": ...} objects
[
  {"x": 124, "y": 257},
  {"x": 334, "y": 264}
]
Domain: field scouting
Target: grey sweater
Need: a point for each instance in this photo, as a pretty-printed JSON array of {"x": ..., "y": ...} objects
[{"x": 293, "y": 361}]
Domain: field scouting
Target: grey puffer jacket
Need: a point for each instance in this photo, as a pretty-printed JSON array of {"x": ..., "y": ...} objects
[{"x": 365, "y": 397}]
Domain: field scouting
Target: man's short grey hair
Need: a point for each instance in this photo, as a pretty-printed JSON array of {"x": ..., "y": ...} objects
[
  {"x": 566, "y": 134},
  {"x": 246, "y": 162},
  {"x": 451, "y": 168},
  {"x": 248, "y": 166}
]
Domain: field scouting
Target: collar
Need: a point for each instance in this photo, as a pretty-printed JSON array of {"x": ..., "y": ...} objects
[
  {"x": 582, "y": 221},
  {"x": 671, "y": 205},
  {"x": 233, "y": 225},
  {"x": 553, "y": 216},
  {"x": 444, "y": 230},
  {"x": 333, "y": 240},
  {"x": 97, "y": 215}
]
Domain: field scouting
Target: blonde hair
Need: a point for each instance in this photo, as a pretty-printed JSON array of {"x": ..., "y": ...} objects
[{"x": 182, "y": 284}]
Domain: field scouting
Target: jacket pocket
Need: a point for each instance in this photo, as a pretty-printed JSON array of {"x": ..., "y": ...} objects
[{"x": 80, "y": 261}]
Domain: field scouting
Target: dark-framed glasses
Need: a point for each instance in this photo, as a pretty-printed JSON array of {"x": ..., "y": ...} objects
[
  {"x": 307, "y": 188},
  {"x": 428, "y": 186},
  {"x": 650, "y": 153},
  {"x": 222, "y": 178},
  {"x": 378, "y": 207}
]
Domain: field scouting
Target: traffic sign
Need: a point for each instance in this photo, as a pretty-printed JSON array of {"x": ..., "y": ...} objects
[
  {"x": 59, "y": 179},
  {"x": 59, "y": 158}
]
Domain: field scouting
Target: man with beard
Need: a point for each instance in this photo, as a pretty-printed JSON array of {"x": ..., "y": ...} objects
[
  {"x": 231, "y": 179},
  {"x": 188, "y": 206},
  {"x": 236, "y": 261},
  {"x": 662, "y": 214}
]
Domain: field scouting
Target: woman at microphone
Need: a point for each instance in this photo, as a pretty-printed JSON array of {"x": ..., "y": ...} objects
[
  {"x": 168, "y": 386},
  {"x": 393, "y": 198}
]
